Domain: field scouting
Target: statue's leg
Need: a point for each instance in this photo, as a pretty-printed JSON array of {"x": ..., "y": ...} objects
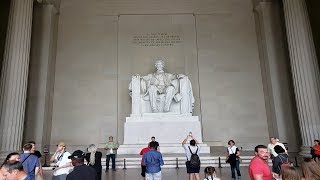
[
  {"x": 153, "y": 93},
  {"x": 169, "y": 95}
]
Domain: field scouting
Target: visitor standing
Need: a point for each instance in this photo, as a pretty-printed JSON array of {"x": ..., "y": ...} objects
[
  {"x": 111, "y": 148},
  {"x": 153, "y": 162},
  {"x": 62, "y": 162},
  {"x": 233, "y": 159},
  {"x": 192, "y": 150},
  {"x": 258, "y": 167},
  {"x": 93, "y": 157},
  {"x": 143, "y": 166}
]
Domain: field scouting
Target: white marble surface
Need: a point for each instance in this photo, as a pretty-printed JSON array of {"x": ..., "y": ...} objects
[
  {"x": 165, "y": 148},
  {"x": 170, "y": 129}
]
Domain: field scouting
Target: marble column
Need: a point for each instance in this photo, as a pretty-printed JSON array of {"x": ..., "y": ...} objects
[
  {"x": 280, "y": 107},
  {"x": 305, "y": 71},
  {"x": 14, "y": 75}
]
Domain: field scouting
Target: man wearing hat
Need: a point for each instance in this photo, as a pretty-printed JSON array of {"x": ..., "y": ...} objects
[
  {"x": 80, "y": 170},
  {"x": 63, "y": 164}
]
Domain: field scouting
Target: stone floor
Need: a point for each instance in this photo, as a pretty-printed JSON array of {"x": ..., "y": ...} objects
[{"x": 167, "y": 174}]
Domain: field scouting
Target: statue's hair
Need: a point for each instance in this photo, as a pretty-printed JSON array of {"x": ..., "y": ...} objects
[
  {"x": 159, "y": 61},
  {"x": 92, "y": 149}
]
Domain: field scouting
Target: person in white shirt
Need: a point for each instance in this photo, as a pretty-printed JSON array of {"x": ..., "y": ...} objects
[
  {"x": 234, "y": 159},
  {"x": 194, "y": 149},
  {"x": 210, "y": 173},
  {"x": 273, "y": 142},
  {"x": 63, "y": 163}
]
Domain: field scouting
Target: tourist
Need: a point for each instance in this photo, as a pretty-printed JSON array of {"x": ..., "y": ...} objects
[
  {"x": 153, "y": 161},
  {"x": 273, "y": 142},
  {"x": 279, "y": 160},
  {"x": 29, "y": 161},
  {"x": 12, "y": 157},
  {"x": 153, "y": 139},
  {"x": 143, "y": 166},
  {"x": 62, "y": 163},
  {"x": 310, "y": 169},
  {"x": 193, "y": 148},
  {"x": 234, "y": 159},
  {"x": 258, "y": 167},
  {"x": 210, "y": 173},
  {"x": 80, "y": 170},
  {"x": 111, "y": 148},
  {"x": 316, "y": 150},
  {"x": 290, "y": 173},
  {"x": 38, "y": 154},
  {"x": 94, "y": 160},
  {"x": 13, "y": 170}
]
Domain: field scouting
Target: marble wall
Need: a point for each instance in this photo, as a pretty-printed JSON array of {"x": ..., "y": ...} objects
[{"x": 93, "y": 67}]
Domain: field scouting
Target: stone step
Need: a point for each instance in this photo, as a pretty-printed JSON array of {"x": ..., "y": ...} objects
[{"x": 171, "y": 161}]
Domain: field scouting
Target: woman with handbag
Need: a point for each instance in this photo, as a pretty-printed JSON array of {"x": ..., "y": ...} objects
[{"x": 233, "y": 159}]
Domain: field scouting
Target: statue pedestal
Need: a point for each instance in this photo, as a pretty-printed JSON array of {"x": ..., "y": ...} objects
[{"x": 170, "y": 129}]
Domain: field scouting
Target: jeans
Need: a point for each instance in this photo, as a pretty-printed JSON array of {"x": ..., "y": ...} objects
[
  {"x": 235, "y": 167},
  {"x": 153, "y": 176},
  {"x": 113, "y": 157},
  {"x": 60, "y": 177}
]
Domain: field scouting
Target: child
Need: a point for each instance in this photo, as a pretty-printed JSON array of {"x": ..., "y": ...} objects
[{"x": 210, "y": 173}]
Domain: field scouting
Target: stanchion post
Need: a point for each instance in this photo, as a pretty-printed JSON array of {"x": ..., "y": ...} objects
[
  {"x": 177, "y": 163},
  {"x": 124, "y": 164},
  {"x": 219, "y": 163},
  {"x": 296, "y": 161},
  {"x": 46, "y": 153}
]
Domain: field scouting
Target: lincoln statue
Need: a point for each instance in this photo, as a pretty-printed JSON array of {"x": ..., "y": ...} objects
[{"x": 168, "y": 88}]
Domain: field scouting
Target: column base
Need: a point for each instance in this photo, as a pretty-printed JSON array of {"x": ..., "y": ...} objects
[{"x": 305, "y": 151}]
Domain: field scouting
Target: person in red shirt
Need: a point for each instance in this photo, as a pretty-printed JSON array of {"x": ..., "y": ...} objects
[
  {"x": 143, "y": 166},
  {"x": 258, "y": 168},
  {"x": 316, "y": 150}
]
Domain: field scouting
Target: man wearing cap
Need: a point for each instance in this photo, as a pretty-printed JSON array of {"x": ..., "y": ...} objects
[
  {"x": 63, "y": 164},
  {"x": 80, "y": 170}
]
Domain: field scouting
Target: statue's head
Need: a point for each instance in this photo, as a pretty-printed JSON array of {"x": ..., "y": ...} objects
[{"x": 159, "y": 64}]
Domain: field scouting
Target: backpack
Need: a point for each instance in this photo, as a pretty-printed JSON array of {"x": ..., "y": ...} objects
[
  {"x": 194, "y": 160},
  {"x": 284, "y": 163}
]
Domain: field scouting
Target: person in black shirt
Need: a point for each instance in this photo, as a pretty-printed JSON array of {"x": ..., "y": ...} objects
[
  {"x": 153, "y": 139},
  {"x": 80, "y": 170},
  {"x": 94, "y": 160}
]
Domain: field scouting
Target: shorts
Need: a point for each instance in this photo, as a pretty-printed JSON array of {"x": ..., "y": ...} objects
[
  {"x": 143, "y": 170},
  {"x": 191, "y": 169}
]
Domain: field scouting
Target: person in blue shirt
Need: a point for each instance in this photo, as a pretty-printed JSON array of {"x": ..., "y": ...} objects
[
  {"x": 29, "y": 161},
  {"x": 153, "y": 162}
]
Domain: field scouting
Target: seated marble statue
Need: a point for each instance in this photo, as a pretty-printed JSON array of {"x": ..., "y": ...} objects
[{"x": 172, "y": 87}]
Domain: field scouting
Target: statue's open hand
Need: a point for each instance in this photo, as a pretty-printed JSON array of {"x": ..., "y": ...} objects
[{"x": 180, "y": 76}]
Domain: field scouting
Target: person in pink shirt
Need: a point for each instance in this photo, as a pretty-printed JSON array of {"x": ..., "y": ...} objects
[{"x": 258, "y": 168}]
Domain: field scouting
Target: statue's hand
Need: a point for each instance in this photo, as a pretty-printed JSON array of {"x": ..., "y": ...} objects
[{"x": 180, "y": 76}]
